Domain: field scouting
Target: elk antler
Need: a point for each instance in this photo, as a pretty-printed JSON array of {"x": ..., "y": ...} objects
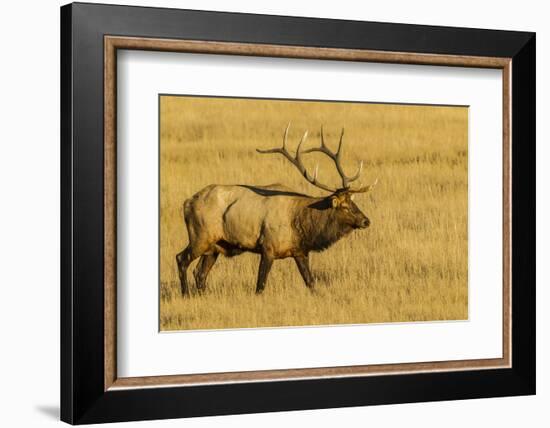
[
  {"x": 364, "y": 189},
  {"x": 336, "y": 157},
  {"x": 297, "y": 160}
]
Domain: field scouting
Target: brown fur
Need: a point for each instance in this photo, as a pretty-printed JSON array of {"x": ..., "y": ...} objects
[{"x": 273, "y": 221}]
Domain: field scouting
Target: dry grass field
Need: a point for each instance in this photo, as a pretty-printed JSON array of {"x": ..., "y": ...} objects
[{"x": 411, "y": 264}]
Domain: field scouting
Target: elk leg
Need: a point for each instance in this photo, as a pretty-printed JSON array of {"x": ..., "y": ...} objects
[
  {"x": 265, "y": 267},
  {"x": 303, "y": 266},
  {"x": 203, "y": 269},
  {"x": 184, "y": 259}
]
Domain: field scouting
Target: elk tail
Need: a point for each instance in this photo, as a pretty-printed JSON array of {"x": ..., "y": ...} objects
[{"x": 187, "y": 207}]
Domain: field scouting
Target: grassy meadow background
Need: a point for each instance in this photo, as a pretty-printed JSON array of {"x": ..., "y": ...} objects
[{"x": 411, "y": 264}]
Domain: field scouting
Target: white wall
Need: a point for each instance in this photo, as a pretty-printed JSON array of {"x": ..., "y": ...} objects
[{"x": 29, "y": 213}]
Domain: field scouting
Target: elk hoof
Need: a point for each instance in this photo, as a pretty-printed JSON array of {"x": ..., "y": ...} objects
[{"x": 313, "y": 290}]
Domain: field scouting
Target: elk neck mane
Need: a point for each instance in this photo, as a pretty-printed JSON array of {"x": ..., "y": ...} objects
[{"x": 317, "y": 225}]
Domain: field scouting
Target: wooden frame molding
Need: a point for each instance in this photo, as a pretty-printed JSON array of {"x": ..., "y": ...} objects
[{"x": 113, "y": 43}]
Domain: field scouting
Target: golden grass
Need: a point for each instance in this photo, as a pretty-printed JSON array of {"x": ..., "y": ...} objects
[{"x": 410, "y": 265}]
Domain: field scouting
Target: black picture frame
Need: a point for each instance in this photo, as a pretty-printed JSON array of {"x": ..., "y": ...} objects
[{"x": 83, "y": 398}]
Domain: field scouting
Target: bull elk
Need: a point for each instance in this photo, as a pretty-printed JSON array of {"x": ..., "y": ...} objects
[{"x": 272, "y": 221}]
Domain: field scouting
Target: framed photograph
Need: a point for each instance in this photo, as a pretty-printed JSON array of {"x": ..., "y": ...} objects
[{"x": 265, "y": 213}]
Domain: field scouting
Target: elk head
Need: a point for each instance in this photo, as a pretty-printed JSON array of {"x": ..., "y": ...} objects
[{"x": 340, "y": 199}]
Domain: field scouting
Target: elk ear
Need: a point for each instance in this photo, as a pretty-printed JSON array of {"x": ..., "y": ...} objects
[
  {"x": 335, "y": 201},
  {"x": 352, "y": 196}
]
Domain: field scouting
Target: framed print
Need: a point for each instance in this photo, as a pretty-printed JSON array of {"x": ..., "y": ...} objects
[{"x": 265, "y": 213}]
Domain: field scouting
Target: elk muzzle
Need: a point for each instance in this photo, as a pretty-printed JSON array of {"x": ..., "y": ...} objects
[{"x": 363, "y": 223}]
